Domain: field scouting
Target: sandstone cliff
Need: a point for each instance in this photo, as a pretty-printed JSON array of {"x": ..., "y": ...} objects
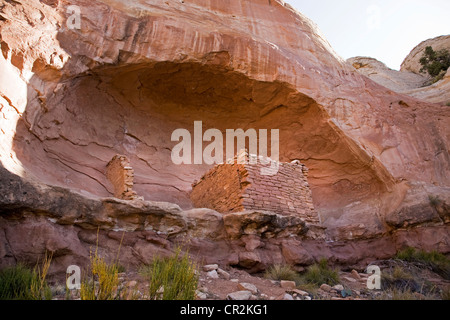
[
  {"x": 412, "y": 61},
  {"x": 409, "y": 80},
  {"x": 71, "y": 99}
]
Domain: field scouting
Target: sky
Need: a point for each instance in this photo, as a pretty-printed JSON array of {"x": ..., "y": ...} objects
[{"x": 386, "y": 30}]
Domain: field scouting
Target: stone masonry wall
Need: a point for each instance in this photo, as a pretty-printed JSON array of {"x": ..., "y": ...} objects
[
  {"x": 234, "y": 187},
  {"x": 220, "y": 189},
  {"x": 121, "y": 174}
]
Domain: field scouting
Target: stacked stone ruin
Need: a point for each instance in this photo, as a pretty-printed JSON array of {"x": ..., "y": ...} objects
[
  {"x": 240, "y": 185},
  {"x": 120, "y": 173}
]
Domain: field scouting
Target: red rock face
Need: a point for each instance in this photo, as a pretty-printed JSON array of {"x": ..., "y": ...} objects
[{"x": 135, "y": 71}]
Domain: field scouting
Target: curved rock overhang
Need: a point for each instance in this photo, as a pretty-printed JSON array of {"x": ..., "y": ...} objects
[{"x": 134, "y": 73}]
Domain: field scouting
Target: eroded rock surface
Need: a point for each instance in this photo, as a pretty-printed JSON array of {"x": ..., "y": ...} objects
[
  {"x": 136, "y": 70},
  {"x": 399, "y": 81},
  {"x": 409, "y": 80}
]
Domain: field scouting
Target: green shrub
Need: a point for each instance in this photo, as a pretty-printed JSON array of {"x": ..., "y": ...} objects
[
  {"x": 399, "y": 280},
  {"x": 15, "y": 283},
  {"x": 39, "y": 287},
  {"x": 281, "y": 272},
  {"x": 435, "y": 63},
  {"x": 102, "y": 281},
  {"x": 438, "y": 262},
  {"x": 22, "y": 283},
  {"x": 320, "y": 273},
  {"x": 172, "y": 278},
  {"x": 311, "y": 288}
]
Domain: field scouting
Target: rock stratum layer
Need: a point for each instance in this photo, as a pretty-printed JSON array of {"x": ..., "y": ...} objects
[{"x": 72, "y": 99}]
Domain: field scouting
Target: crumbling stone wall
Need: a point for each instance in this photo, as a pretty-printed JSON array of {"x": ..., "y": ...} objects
[
  {"x": 234, "y": 187},
  {"x": 120, "y": 173},
  {"x": 221, "y": 189}
]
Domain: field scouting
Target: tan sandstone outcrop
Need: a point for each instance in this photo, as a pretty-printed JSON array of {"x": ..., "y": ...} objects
[
  {"x": 137, "y": 70},
  {"x": 412, "y": 61},
  {"x": 392, "y": 79},
  {"x": 438, "y": 92},
  {"x": 409, "y": 80}
]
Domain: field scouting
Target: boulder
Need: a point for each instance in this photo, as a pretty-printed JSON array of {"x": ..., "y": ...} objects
[
  {"x": 325, "y": 287},
  {"x": 287, "y": 296},
  {"x": 338, "y": 287},
  {"x": 287, "y": 284},
  {"x": 355, "y": 275},
  {"x": 212, "y": 274},
  {"x": 210, "y": 267},
  {"x": 248, "y": 287},
  {"x": 222, "y": 273},
  {"x": 249, "y": 259},
  {"x": 239, "y": 295}
]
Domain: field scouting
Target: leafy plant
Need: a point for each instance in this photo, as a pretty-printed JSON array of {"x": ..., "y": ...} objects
[
  {"x": 320, "y": 273},
  {"x": 435, "y": 63},
  {"x": 15, "y": 283},
  {"x": 39, "y": 288},
  {"x": 399, "y": 280},
  {"x": 438, "y": 262},
  {"x": 172, "y": 278},
  {"x": 22, "y": 283},
  {"x": 281, "y": 272},
  {"x": 103, "y": 282}
]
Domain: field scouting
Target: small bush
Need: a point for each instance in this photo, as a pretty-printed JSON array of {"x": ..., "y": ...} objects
[
  {"x": 172, "y": 278},
  {"x": 103, "y": 282},
  {"x": 438, "y": 262},
  {"x": 435, "y": 63},
  {"x": 400, "y": 273},
  {"x": 281, "y": 272},
  {"x": 320, "y": 273},
  {"x": 39, "y": 287},
  {"x": 22, "y": 283},
  {"x": 448, "y": 104},
  {"x": 308, "y": 287},
  {"x": 15, "y": 283},
  {"x": 399, "y": 280}
]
